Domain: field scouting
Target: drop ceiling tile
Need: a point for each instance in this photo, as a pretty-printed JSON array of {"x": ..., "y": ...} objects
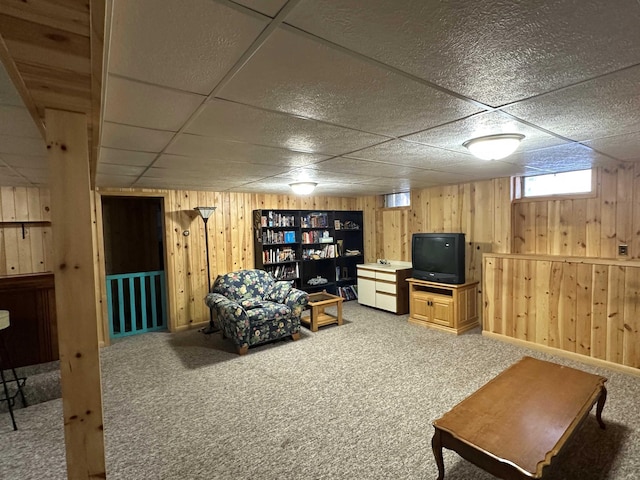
[
  {"x": 28, "y": 161},
  {"x": 399, "y": 152},
  {"x": 190, "y": 184},
  {"x": 494, "y": 52},
  {"x": 8, "y": 93},
  {"x": 562, "y": 158},
  {"x": 17, "y": 121},
  {"x": 22, "y": 145},
  {"x": 105, "y": 180},
  {"x": 207, "y": 147},
  {"x": 126, "y": 157},
  {"x": 187, "y": 44},
  {"x": 318, "y": 174},
  {"x": 218, "y": 168},
  {"x": 598, "y": 108},
  {"x": 453, "y": 135},
  {"x": 293, "y": 73},
  {"x": 623, "y": 147},
  {"x": 233, "y": 121},
  {"x": 125, "y": 170},
  {"x": 34, "y": 175},
  {"x": 150, "y": 106},
  {"x": 434, "y": 177},
  {"x": 483, "y": 169},
  {"x": 126, "y": 137},
  {"x": 266, "y": 7},
  {"x": 348, "y": 166}
]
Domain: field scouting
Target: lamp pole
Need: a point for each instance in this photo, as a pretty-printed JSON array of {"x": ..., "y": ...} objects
[{"x": 205, "y": 213}]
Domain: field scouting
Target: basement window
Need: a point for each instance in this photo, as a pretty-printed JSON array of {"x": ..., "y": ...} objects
[
  {"x": 577, "y": 182},
  {"x": 402, "y": 199}
]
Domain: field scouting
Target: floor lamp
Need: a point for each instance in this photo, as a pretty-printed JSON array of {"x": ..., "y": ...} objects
[{"x": 205, "y": 213}]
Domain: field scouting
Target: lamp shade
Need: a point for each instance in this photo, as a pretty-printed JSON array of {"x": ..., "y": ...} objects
[
  {"x": 205, "y": 212},
  {"x": 494, "y": 147},
  {"x": 303, "y": 188}
]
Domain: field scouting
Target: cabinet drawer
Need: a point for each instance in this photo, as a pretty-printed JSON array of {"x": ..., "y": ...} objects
[
  {"x": 386, "y": 302},
  {"x": 388, "y": 277},
  {"x": 386, "y": 287},
  {"x": 366, "y": 273}
]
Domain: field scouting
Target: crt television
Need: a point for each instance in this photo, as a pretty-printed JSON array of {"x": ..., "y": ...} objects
[{"x": 438, "y": 257}]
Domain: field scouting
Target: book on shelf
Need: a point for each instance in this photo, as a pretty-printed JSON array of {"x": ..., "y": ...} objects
[{"x": 348, "y": 292}]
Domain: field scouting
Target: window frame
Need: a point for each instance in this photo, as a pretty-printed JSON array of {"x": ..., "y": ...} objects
[
  {"x": 386, "y": 195},
  {"x": 518, "y": 188}
]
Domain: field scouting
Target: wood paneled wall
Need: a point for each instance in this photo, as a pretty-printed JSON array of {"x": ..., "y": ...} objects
[
  {"x": 586, "y": 306},
  {"x": 31, "y": 254},
  {"x": 230, "y": 239},
  {"x": 481, "y": 210},
  {"x": 584, "y": 227}
]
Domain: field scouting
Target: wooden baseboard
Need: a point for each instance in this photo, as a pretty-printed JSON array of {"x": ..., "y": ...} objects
[
  {"x": 191, "y": 326},
  {"x": 563, "y": 353}
]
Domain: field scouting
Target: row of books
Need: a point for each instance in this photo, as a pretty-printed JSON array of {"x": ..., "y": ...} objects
[
  {"x": 273, "y": 219},
  {"x": 275, "y": 255},
  {"x": 315, "y": 220},
  {"x": 316, "y": 236},
  {"x": 271, "y": 236},
  {"x": 348, "y": 292},
  {"x": 285, "y": 272},
  {"x": 328, "y": 251}
]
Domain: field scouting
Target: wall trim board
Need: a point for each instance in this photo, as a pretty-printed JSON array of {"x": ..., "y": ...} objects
[
  {"x": 561, "y": 258},
  {"x": 596, "y": 362}
]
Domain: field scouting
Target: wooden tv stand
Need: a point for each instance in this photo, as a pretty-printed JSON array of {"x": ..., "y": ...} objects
[{"x": 451, "y": 308}]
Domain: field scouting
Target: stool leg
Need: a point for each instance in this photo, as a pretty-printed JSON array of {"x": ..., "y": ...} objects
[
  {"x": 15, "y": 376},
  {"x": 8, "y": 398}
]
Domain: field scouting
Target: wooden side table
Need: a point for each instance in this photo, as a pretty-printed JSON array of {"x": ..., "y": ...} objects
[{"x": 317, "y": 316}]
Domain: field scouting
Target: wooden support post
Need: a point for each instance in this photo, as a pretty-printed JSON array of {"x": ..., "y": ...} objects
[{"x": 73, "y": 265}]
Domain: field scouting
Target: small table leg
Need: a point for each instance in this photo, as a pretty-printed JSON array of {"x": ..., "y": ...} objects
[
  {"x": 600, "y": 406},
  {"x": 436, "y": 445}
]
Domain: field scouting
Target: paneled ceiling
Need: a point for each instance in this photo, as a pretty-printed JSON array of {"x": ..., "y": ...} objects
[{"x": 362, "y": 96}]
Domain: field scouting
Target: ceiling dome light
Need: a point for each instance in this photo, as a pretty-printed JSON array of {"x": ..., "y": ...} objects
[
  {"x": 494, "y": 147},
  {"x": 303, "y": 188}
]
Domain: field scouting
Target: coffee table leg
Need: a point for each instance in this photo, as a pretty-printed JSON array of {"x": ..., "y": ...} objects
[
  {"x": 436, "y": 445},
  {"x": 600, "y": 406}
]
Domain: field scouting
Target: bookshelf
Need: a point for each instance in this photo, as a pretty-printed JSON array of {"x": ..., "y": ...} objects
[{"x": 317, "y": 249}]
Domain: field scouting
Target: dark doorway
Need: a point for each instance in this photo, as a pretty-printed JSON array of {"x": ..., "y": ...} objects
[{"x": 134, "y": 264}]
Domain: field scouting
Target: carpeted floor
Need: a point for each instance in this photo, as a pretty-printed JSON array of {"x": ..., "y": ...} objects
[{"x": 355, "y": 401}]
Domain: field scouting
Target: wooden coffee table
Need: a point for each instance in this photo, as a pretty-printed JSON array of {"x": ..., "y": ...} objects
[
  {"x": 317, "y": 316},
  {"x": 513, "y": 426}
]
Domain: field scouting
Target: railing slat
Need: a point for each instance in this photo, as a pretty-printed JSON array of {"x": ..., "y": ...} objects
[
  {"x": 132, "y": 303},
  {"x": 154, "y": 308},
  {"x": 121, "y": 306},
  {"x": 143, "y": 300}
]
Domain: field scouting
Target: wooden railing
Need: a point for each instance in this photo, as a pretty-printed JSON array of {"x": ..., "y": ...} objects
[{"x": 136, "y": 302}]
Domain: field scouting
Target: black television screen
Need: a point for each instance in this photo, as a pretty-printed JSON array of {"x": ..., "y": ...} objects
[{"x": 438, "y": 257}]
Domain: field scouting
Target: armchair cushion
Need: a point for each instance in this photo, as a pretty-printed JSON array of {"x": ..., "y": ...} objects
[
  {"x": 251, "y": 303},
  {"x": 278, "y": 291}
]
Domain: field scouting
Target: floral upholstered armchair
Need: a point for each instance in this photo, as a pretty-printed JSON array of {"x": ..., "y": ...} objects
[{"x": 252, "y": 308}]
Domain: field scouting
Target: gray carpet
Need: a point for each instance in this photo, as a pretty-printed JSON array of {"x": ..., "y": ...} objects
[{"x": 355, "y": 401}]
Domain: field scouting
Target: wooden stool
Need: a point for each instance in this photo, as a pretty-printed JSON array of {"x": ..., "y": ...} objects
[{"x": 5, "y": 364}]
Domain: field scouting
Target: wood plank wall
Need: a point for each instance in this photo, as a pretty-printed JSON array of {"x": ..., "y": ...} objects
[
  {"x": 230, "y": 239},
  {"x": 33, "y": 253},
  {"x": 586, "y": 306},
  {"x": 481, "y": 210},
  {"x": 584, "y": 227}
]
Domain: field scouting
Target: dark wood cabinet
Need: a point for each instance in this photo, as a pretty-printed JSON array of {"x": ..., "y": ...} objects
[{"x": 32, "y": 337}]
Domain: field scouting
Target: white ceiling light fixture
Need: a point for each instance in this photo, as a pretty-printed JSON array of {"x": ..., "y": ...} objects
[
  {"x": 303, "y": 188},
  {"x": 494, "y": 147}
]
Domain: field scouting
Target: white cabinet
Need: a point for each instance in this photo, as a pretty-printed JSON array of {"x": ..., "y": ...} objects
[{"x": 384, "y": 286}]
